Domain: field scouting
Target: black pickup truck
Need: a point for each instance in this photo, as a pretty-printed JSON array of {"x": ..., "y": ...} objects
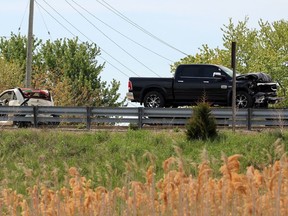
[{"x": 192, "y": 82}]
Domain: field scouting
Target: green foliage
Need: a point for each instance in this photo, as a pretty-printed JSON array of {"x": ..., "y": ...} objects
[
  {"x": 13, "y": 49},
  {"x": 65, "y": 66},
  {"x": 11, "y": 75},
  {"x": 201, "y": 125},
  {"x": 77, "y": 65}
]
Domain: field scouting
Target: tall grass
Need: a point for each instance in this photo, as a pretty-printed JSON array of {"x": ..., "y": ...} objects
[
  {"x": 254, "y": 192},
  {"x": 39, "y": 166}
]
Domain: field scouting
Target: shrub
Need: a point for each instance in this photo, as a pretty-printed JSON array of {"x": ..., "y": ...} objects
[
  {"x": 133, "y": 127},
  {"x": 201, "y": 125}
]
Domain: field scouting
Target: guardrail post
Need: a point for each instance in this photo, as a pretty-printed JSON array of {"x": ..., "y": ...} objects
[
  {"x": 35, "y": 115},
  {"x": 140, "y": 116},
  {"x": 249, "y": 116},
  {"x": 88, "y": 118}
]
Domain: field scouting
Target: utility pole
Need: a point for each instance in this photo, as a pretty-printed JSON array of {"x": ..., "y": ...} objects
[
  {"x": 233, "y": 65},
  {"x": 29, "y": 46}
]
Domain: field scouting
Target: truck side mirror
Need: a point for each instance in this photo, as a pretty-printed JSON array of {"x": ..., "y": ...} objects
[{"x": 218, "y": 75}]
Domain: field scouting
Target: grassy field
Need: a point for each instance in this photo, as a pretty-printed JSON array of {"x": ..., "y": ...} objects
[
  {"x": 110, "y": 159},
  {"x": 140, "y": 172}
]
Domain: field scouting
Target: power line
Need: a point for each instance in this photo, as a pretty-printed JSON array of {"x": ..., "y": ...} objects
[
  {"x": 19, "y": 28},
  {"x": 55, "y": 18},
  {"x": 118, "y": 13},
  {"x": 44, "y": 22},
  {"x": 112, "y": 40},
  {"x": 84, "y": 36},
  {"x": 121, "y": 33}
]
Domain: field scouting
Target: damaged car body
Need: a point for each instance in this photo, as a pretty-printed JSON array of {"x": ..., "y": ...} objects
[
  {"x": 26, "y": 97},
  {"x": 260, "y": 87}
]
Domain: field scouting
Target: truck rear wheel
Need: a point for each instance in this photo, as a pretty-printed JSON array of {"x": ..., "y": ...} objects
[
  {"x": 153, "y": 99},
  {"x": 243, "y": 100}
]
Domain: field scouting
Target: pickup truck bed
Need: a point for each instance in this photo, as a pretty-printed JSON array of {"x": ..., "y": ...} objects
[{"x": 151, "y": 84}]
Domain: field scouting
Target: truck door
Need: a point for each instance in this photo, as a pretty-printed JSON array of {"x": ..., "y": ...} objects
[
  {"x": 216, "y": 87},
  {"x": 187, "y": 84},
  {"x": 192, "y": 82}
]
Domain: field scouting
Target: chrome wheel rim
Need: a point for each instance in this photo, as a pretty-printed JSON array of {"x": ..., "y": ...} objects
[
  {"x": 153, "y": 101},
  {"x": 241, "y": 101}
]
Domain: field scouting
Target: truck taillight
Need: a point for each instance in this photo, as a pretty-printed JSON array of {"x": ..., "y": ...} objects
[{"x": 130, "y": 87}]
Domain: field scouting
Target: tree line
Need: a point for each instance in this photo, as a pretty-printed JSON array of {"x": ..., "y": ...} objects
[{"x": 70, "y": 68}]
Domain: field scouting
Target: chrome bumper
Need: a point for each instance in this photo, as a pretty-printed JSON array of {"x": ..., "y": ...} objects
[{"x": 130, "y": 96}]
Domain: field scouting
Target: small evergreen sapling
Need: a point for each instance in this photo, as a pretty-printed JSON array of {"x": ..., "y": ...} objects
[{"x": 201, "y": 125}]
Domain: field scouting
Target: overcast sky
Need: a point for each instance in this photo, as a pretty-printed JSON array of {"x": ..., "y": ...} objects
[{"x": 178, "y": 27}]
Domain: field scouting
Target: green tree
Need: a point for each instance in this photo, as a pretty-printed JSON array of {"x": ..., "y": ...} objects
[
  {"x": 13, "y": 49},
  {"x": 66, "y": 64},
  {"x": 77, "y": 63},
  {"x": 274, "y": 46},
  {"x": 11, "y": 75}
]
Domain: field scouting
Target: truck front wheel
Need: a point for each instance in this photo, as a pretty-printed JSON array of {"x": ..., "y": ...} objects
[
  {"x": 153, "y": 99},
  {"x": 243, "y": 100}
]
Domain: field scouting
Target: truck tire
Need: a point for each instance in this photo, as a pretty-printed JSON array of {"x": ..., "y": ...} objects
[
  {"x": 153, "y": 99},
  {"x": 243, "y": 100}
]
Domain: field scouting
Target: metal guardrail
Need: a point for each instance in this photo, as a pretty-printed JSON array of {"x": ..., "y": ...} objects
[{"x": 90, "y": 117}]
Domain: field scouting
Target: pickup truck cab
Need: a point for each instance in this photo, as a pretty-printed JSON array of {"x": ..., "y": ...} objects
[{"x": 192, "y": 82}]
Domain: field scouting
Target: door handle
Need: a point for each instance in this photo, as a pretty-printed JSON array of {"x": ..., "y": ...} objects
[
  {"x": 180, "y": 81},
  {"x": 205, "y": 81}
]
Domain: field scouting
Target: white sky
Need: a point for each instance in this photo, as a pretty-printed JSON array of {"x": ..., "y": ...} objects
[{"x": 184, "y": 24}]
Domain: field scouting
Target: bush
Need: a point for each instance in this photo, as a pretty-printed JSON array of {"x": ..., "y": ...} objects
[
  {"x": 201, "y": 125},
  {"x": 133, "y": 126}
]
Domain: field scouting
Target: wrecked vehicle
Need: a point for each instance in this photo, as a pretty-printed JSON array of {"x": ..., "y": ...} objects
[
  {"x": 260, "y": 87},
  {"x": 20, "y": 96},
  {"x": 26, "y": 97},
  {"x": 192, "y": 82}
]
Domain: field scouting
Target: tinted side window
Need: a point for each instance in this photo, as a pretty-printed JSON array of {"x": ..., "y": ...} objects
[
  {"x": 208, "y": 71},
  {"x": 198, "y": 71},
  {"x": 190, "y": 71}
]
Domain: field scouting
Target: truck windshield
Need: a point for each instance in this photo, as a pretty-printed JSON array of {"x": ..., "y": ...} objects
[{"x": 227, "y": 70}]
